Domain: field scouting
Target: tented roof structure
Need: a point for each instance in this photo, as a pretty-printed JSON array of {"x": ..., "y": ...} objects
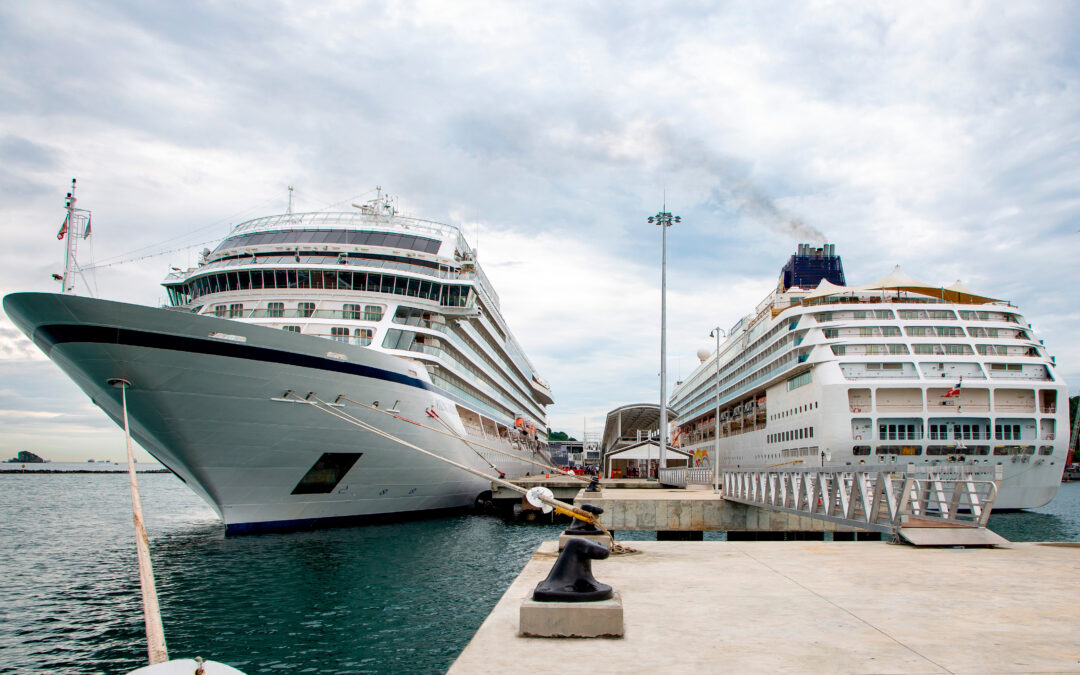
[
  {"x": 825, "y": 289},
  {"x": 624, "y": 423},
  {"x": 899, "y": 280}
]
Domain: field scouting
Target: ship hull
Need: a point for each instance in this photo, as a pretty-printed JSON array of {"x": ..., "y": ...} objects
[{"x": 208, "y": 399}]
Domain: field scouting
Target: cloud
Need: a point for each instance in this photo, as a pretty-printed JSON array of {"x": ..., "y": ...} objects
[{"x": 940, "y": 137}]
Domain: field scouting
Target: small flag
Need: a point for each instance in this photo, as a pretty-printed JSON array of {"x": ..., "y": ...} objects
[
  {"x": 955, "y": 391},
  {"x": 87, "y": 232},
  {"x": 63, "y": 229}
]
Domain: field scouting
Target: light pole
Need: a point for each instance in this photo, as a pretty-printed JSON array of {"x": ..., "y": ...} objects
[
  {"x": 664, "y": 220},
  {"x": 716, "y": 333}
]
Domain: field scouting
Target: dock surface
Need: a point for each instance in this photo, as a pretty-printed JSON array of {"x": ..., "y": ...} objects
[{"x": 809, "y": 607}]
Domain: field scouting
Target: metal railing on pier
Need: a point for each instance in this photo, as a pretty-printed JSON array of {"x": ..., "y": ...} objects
[{"x": 879, "y": 498}]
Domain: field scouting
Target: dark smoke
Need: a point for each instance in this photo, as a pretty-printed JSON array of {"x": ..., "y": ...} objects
[{"x": 734, "y": 187}]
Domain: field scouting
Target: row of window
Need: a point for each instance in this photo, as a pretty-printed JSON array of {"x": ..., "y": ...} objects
[
  {"x": 915, "y": 315},
  {"x": 934, "y": 349},
  {"x": 913, "y": 432},
  {"x": 355, "y": 237},
  {"x": 915, "y": 450},
  {"x": 790, "y": 435},
  {"x": 360, "y": 336},
  {"x": 451, "y": 295},
  {"x": 796, "y": 410},
  {"x": 303, "y": 310},
  {"x": 925, "y": 331}
]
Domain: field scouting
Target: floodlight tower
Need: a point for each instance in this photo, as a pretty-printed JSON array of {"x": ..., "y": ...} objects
[{"x": 664, "y": 220}]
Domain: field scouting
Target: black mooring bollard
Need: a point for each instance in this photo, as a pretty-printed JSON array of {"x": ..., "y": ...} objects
[
  {"x": 571, "y": 579},
  {"x": 581, "y": 527},
  {"x": 594, "y": 485}
]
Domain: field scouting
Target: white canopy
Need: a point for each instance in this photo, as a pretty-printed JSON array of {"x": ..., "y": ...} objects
[
  {"x": 824, "y": 289},
  {"x": 899, "y": 280}
]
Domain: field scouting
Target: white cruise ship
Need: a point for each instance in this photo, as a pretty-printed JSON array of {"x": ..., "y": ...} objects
[
  {"x": 385, "y": 318},
  {"x": 898, "y": 371}
]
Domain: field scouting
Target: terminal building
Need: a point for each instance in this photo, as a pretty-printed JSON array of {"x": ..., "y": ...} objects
[{"x": 631, "y": 442}]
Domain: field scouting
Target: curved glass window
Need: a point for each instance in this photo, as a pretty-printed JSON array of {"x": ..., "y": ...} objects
[
  {"x": 355, "y": 237},
  {"x": 451, "y": 295}
]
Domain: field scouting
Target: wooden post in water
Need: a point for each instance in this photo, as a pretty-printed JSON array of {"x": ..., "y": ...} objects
[{"x": 155, "y": 633}]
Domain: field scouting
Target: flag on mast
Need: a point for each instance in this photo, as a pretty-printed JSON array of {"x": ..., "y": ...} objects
[
  {"x": 63, "y": 228},
  {"x": 87, "y": 232}
]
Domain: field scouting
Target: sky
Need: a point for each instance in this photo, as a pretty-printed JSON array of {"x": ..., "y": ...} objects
[{"x": 940, "y": 136}]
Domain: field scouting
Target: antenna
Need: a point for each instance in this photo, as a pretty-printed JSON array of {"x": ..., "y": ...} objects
[{"x": 290, "y": 201}]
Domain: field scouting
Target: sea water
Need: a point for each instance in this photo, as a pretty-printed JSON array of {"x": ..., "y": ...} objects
[{"x": 405, "y": 597}]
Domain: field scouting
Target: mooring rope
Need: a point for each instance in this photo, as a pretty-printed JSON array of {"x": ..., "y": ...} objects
[
  {"x": 558, "y": 505},
  {"x": 434, "y": 415},
  {"x": 452, "y": 434},
  {"x": 155, "y": 633}
]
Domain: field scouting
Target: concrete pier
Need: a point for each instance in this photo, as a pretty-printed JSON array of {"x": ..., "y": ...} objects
[
  {"x": 696, "y": 509},
  {"x": 809, "y": 607}
]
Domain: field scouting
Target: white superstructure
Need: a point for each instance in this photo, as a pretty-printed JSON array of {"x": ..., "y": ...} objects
[
  {"x": 896, "y": 371},
  {"x": 370, "y": 311}
]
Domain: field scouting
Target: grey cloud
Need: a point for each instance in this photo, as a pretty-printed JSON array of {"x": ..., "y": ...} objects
[{"x": 21, "y": 153}]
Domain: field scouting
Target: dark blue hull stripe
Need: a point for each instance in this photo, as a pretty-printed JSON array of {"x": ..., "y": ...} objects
[
  {"x": 267, "y": 526},
  {"x": 46, "y": 337}
]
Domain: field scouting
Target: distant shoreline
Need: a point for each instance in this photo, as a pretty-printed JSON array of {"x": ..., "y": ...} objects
[{"x": 54, "y": 471}]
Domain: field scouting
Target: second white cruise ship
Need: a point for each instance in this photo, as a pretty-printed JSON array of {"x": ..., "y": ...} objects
[
  {"x": 380, "y": 317},
  {"x": 897, "y": 371}
]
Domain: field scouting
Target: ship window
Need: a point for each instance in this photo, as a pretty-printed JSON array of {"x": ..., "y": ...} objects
[
  {"x": 1007, "y": 432},
  {"x": 339, "y": 333},
  {"x": 350, "y": 311},
  {"x": 898, "y": 450},
  {"x": 373, "y": 312},
  {"x": 326, "y": 473},
  {"x": 882, "y": 314},
  {"x": 291, "y": 329},
  {"x": 363, "y": 336},
  {"x": 275, "y": 309},
  {"x": 219, "y": 311},
  {"x": 256, "y": 279},
  {"x": 305, "y": 309},
  {"x": 861, "y": 450}
]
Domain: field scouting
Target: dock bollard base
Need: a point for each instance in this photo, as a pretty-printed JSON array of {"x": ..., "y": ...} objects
[
  {"x": 602, "y": 618},
  {"x": 602, "y": 539}
]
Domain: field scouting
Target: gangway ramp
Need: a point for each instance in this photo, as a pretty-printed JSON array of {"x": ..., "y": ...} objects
[{"x": 949, "y": 506}]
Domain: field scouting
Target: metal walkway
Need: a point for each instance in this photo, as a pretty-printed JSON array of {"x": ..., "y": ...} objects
[{"x": 925, "y": 505}]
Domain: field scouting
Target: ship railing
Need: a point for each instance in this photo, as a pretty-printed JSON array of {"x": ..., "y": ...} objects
[{"x": 878, "y": 498}]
